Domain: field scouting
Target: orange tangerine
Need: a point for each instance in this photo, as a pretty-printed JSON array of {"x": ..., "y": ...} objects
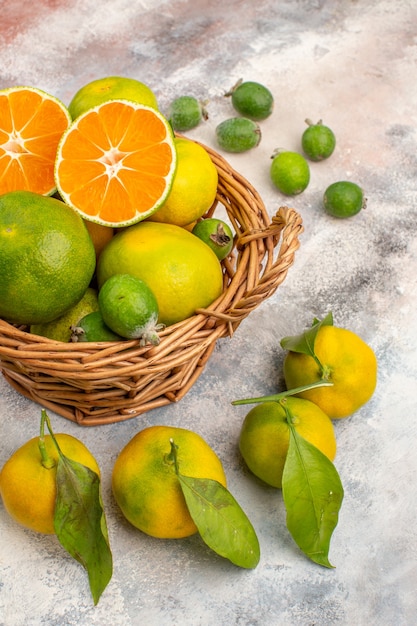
[
  {"x": 110, "y": 88},
  {"x": 28, "y": 488},
  {"x": 31, "y": 125},
  {"x": 116, "y": 162},
  {"x": 100, "y": 235},
  {"x": 47, "y": 258},
  {"x": 146, "y": 486},
  {"x": 265, "y": 436},
  {"x": 342, "y": 358},
  {"x": 183, "y": 273},
  {"x": 194, "y": 187}
]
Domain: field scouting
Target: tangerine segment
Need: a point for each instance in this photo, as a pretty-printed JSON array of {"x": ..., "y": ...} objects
[
  {"x": 31, "y": 125},
  {"x": 116, "y": 162}
]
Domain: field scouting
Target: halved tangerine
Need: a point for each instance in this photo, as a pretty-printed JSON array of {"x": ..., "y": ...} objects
[
  {"x": 116, "y": 162},
  {"x": 31, "y": 125}
]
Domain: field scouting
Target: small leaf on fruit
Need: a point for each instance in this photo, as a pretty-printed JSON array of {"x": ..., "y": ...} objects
[
  {"x": 80, "y": 522},
  {"x": 313, "y": 494},
  {"x": 220, "y": 520},
  {"x": 304, "y": 343}
]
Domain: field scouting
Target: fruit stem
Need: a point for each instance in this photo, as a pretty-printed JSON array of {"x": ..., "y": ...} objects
[
  {"x": 150, "y": 334},
  {"x": 47, "y": 461},
  {"x": 289, "y": 392},
  {"x": 235, "y": 86},
  {"x": 310, "y": 123},
  {"x": 325, "y": 371},
  {"x": 220, "y": 237},
  {"x": 171, "y": 458},
  {"x": 322, "y": 368},
  {"x": 204, "y": 112},
  {"x": 288, "y": 415}
]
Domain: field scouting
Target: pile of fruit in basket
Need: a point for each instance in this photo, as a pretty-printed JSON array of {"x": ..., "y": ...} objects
[{"x": 119, "y": 250}]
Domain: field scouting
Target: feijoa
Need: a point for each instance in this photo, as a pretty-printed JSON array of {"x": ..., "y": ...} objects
[
  {"x": 216, "y": 234},
  {"x": 185, "y": 112},
  {"x": 129, "y": 308},
  {"x": 92, "y": 328},
  {"x": 238, "y": 134},
  {"x": 318, "y": 141},
  {"x": 252, "y": 100},
  {"x": 343, "y": 199},
  {"x": 289, "y": 172}
]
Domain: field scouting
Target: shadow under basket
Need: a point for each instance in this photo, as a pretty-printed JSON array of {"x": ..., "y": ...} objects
[{"x": 103, "y": 383}]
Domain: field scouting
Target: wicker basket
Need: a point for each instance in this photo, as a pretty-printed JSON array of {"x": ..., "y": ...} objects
[{"x": 103, "y": 383}]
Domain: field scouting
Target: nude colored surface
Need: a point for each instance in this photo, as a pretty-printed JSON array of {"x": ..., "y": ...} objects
[{"x": 354, "y": 65}]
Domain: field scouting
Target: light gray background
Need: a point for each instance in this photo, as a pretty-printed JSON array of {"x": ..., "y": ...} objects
[{"x": 354, "y": 65}]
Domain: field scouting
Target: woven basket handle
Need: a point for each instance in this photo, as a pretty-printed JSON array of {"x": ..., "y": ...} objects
[{"x": 265, "y": 268}]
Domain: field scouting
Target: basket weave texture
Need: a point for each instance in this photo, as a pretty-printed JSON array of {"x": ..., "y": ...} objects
[{"x": 103, "y": 383}]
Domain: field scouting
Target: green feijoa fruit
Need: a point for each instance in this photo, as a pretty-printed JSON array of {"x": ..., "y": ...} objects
[
  {"x": 216, "y": 234},
  {"x": 185, "y": 112},
  {"x": 343, "y": 199},
  {"x": 238, "y": 134},
  {"x": 129, "y": 308},
  {"x": 289, "y": 172},
  {"x": 92, "y": 328},
  {"x": 318, "y": 141},
  {"x": 252, "y": 100}
]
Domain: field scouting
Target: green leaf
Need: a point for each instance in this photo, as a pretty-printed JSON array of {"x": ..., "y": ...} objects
[
  {"x": 80, "y": 523},
  {"x": 220, "y": 520},
  {"x": 313, "y": 494},
  {"x": 304, "y": 343}
]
